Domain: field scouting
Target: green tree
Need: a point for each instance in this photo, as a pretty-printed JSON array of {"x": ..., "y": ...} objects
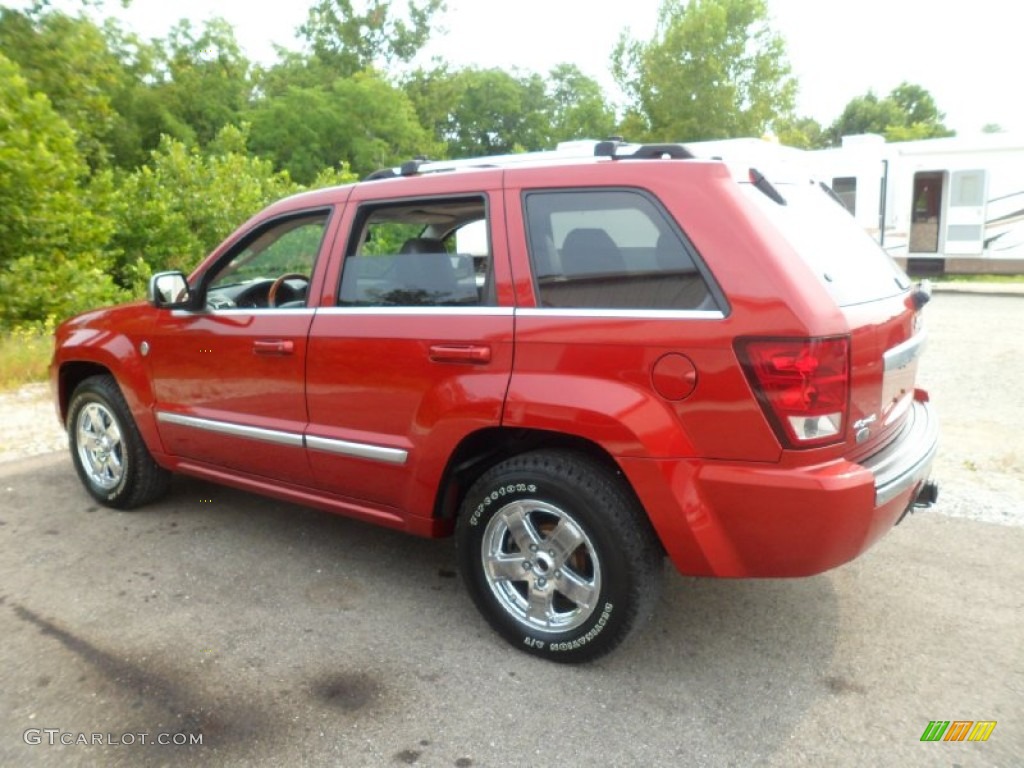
[
  {"x": 143, "y": 113},
  {"x": 291, "y": 70},
  {"x": 69, "y": 60},
  {"x": 801, "y": 132},
  {"x": 916, "y": 104},
  {"x": 578, "y": 106},
  {"x": 206, "y": 78},
  {"x": 434, "y": 94},
  {"x": 188, "y": 86},
  {"x": 51, "y": 258},
  {"x": 865, "y": 114},
  {"x": 714, "y": 69},
  {"x": 499, "y": 113},
  {"x": 909, "y": 112},
  {"x": 475, "y": 112},
  {"x": 170, "y": 213},
  {"x": 348, "y": 41},
  {"x": 360, "y": 120}
]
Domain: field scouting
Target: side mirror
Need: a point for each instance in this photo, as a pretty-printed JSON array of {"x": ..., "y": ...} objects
[{"x": 169, "y": 290}]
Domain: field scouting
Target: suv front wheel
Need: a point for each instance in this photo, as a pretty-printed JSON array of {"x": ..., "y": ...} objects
[
  {"x": 557, "y": 555},
  {"x": 107, "y": 449}
]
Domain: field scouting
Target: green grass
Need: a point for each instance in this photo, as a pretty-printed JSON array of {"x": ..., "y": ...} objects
[
  {"x": 24, "y": 356},
  {"x": 981, "y": 279}
]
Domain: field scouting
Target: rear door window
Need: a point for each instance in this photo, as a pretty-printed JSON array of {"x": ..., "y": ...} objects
[
  {"x": 410, "y": 255},
  {"x": 611, "y": 249}
]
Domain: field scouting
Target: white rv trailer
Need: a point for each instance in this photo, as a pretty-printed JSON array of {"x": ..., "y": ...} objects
[
  {"x": 939, "y": 205},
  {"x": 952, "y": 205}
]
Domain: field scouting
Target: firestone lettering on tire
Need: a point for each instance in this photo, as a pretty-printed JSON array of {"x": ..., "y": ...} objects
[
  {"x": 495, "y": 495},
  {"x": 581, "y": 641}
]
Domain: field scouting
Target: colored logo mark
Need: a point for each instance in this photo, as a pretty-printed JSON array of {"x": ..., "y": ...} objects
[{"x": 958, "y": 730}]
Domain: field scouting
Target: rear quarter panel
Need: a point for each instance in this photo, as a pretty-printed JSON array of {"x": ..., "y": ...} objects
[{"x": 588, "y": 373}]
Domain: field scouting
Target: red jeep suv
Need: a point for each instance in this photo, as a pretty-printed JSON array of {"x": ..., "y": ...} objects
[{"x": 576, "y": 364}]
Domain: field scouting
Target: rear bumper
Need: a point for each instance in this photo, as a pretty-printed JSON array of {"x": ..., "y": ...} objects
[
  {"x": 754, "y": 520},
  {"x": 905, "y": 462}
]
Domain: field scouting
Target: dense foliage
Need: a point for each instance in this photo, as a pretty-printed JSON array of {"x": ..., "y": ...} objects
[
  {"x": 49, "y": 235},
  {"x": 715, "y": 69},
  {"x": 120, "y": 157},
  {"x": 908, "y": 113}
]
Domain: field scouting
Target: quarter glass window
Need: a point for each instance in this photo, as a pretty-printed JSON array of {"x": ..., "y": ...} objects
[{"x": 610, "y": 249}]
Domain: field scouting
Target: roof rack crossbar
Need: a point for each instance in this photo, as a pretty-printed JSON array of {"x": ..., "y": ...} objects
[
  {"x": 658, "y": 151},
  {"x": 382, "y": 173},
  {"x": 412, "y": 167},
  {"x": 611, "y": 148},
  {"x": 608, "y": 147}
]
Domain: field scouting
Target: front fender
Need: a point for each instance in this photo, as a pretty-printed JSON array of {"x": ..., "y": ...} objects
[{"x": 108, "y": 340}]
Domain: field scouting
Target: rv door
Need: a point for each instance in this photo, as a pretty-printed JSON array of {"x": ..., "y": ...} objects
[{"x": 965, "y": 220}]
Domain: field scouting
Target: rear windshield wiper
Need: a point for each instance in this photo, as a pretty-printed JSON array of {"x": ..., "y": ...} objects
[
  {"x": 758, "y": 180},
  {"x": 832, "y": 193}
]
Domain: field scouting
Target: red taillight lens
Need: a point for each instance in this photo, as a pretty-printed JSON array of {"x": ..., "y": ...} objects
[{"x": 803, "y": 386}]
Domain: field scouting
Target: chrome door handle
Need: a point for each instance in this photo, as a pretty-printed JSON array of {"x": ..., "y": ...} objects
[
  {"x": 273, "y": 347},
  {"x": 460, "y": 353}
]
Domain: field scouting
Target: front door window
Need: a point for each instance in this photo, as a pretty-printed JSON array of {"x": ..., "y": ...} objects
[{"x": 272, "y": 269}]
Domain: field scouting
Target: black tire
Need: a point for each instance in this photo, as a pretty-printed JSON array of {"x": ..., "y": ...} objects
[
  {"x": 109, "y": 455},
  {"x": 595, "y": 574}
]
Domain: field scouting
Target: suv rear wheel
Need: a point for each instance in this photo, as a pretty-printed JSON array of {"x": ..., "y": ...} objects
[
  {"x": 108, "y": 452},
  {"x": 557, "y": 555}
]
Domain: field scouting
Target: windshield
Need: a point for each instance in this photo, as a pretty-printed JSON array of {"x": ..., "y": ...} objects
[{"x": 851, "y": 265}]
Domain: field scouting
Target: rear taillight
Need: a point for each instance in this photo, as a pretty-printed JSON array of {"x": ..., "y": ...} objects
[{"x": 803, "y": 386}]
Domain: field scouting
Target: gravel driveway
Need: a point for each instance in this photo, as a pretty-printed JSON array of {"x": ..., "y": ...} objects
[
  {"x": 30, "y": 423},
  {"x": 972, "y": 368}
]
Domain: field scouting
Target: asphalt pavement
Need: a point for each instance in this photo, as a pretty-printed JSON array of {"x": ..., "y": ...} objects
[{"x": 284, "y": 636}]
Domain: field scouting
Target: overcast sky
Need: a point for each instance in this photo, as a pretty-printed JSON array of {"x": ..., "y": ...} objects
[{"x": 967, "y": 54}]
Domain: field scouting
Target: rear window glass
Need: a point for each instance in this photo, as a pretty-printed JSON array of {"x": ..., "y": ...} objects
[
  {"x": 610, "y": 249},
  {"x": 851, "y": 265}
]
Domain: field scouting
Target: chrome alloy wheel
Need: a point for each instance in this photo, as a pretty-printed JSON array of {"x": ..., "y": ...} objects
[
  {"x": 541, "y": 566},
  {"x": 100, "y": 448}
]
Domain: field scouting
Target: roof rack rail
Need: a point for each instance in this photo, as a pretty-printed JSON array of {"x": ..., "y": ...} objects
[
  {"x": 421, "y": 165},
  {"x": 614, "y": 148}
]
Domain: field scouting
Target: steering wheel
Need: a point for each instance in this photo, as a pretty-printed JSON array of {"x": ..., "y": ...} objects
[{"x": 276, "y": 286}]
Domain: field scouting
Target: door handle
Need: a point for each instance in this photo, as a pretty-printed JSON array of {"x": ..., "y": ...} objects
[
  {"x": 273, "y": 347},
  {"x": 460, "y": 353}
]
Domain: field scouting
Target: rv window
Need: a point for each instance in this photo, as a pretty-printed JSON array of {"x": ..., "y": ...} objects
[{"x": 845, "y": 188}]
